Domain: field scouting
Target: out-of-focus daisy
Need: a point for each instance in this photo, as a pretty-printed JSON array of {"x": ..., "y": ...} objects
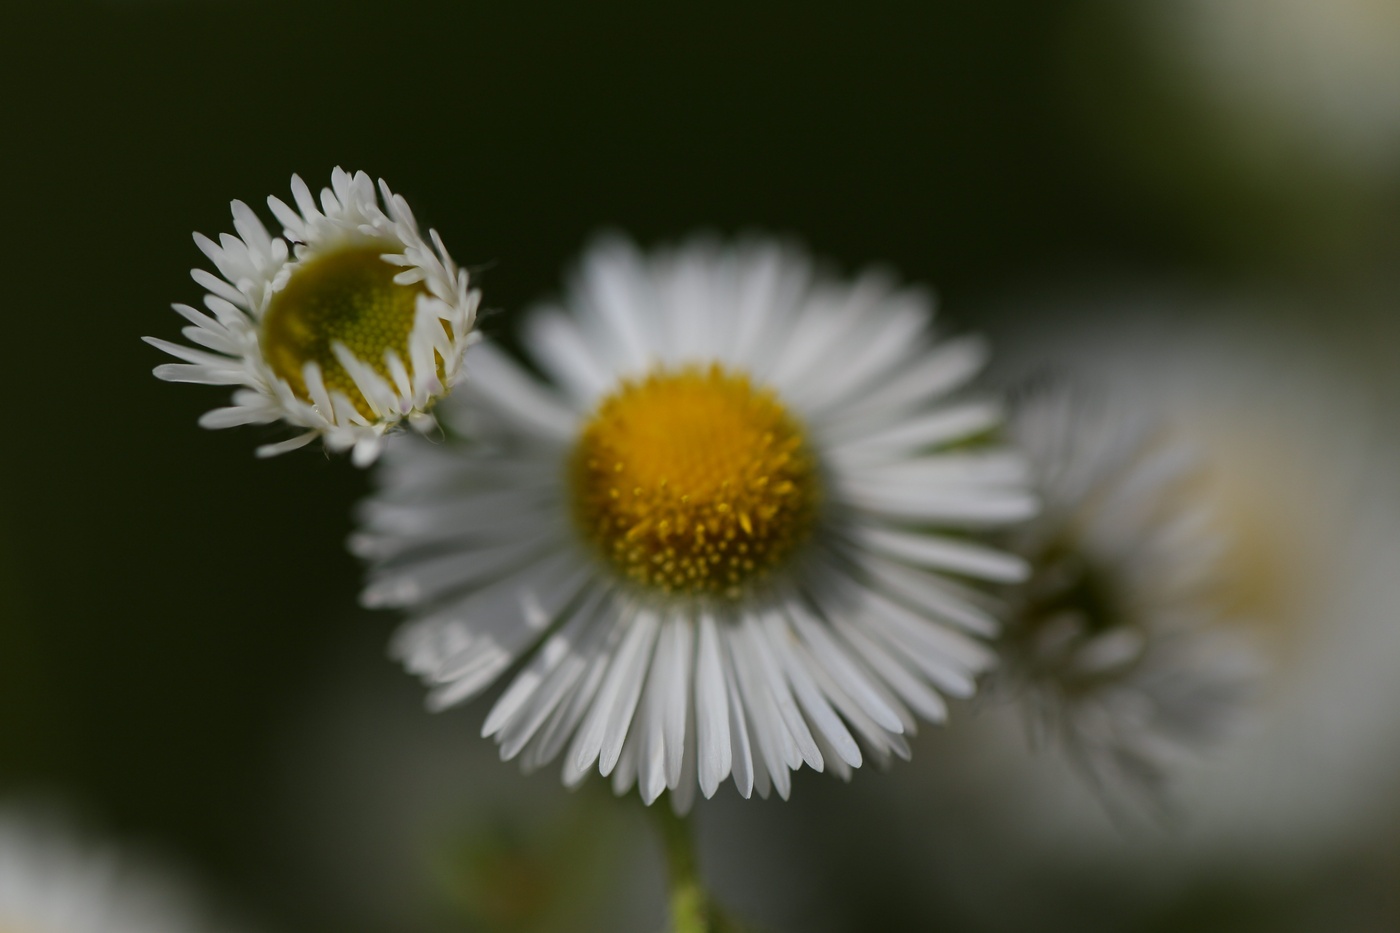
[
  {"x": 1294, "y": 76},
  {"x": 721, "y": 541},
  {"x": 52, "y": 883},
  {"x": 357, "y": 325},
  {"x": 1113, "y": 646},
  {"x": 1298, "y": 479}
]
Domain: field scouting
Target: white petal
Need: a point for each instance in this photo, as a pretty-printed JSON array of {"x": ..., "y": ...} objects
[
  {"x": 711, "y": 710},
  {"x": 910, "y": 688},
  {"x": 556, "y": 732},
  {"x": 507, "y": 387},
  {"x": 236, "y": 415},
  {"x": 677, "y": 697},
  {"x": 623, "y": 677},
  {"x": 775, "y": 751},
  {"x": 844, "y": 670},
  {"x": 928, "y": 377},
  {"x": 632, "y": 677},
  {"x": 778, "y": 688},
  {"x": 942, "y": 553},
  {"x": 649, "y": 729},
  {"x": 282, "y": 447},
  {"x": 742, "y": 753},
  {"x": 944, "y": 426},
  {"x": 556, "y": 342},
  {"x": 610, "y": 275},
  {"x": 815, "y": 706},
  {"x": 200, "y": 375},
  {"x": 533, "y": 693}
]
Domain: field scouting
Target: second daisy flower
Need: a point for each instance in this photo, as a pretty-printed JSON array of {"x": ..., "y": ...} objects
[{"x": 343, "y": 327}]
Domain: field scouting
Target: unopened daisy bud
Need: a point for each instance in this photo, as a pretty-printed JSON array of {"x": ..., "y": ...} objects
[
  {"x": 56, "y": 882},
  {"x": 1115, "y": 644},
  {"x": 345, "y": 326}
]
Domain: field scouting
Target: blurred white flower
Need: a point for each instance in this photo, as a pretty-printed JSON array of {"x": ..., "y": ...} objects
[
  {"x": 359, "y": 325},
  {"x": 1114, "y": 647},
  {"x": 53, "y": 882},
  {"x": 715, "y": 543},
  {"x": 1297, "y": 477},
  {"x": 1296, "y": 76}
]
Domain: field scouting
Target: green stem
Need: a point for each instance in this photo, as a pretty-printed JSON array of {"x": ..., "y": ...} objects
[{"x": 690, "y": 905}]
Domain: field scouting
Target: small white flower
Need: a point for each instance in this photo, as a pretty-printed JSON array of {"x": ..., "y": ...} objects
[
  {"x": 52, "y": 883},
  {"x": 1298, "y": 476},
  {"x": 1114, "y": 644},
  {"x": 1290, "y": 78},
  {"x": 720, "y": 542},
  {"x": 356, "y": 326}
]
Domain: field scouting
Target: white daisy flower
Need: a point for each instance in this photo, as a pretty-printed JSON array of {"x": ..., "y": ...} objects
[
  {"x": 1291, "y": 78},
  {"x": 1115, "y": 645},
  {"x": 1298, "y": 478},
  {"x": 345, "y": 326},
  {"x": 720, "y": 541},
  {"x": 51, "y": 883}
]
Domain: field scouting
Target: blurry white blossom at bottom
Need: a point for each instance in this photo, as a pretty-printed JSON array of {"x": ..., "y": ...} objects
[{"x": 53, "y": 880}]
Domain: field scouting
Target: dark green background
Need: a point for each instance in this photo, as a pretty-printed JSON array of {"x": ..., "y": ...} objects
[{"x": 168, "y": 599}]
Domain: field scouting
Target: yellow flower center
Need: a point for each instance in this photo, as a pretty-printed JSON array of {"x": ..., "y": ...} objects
[
  {"x": 347, "y": 297},
  {"x": 693, "y": 481}
]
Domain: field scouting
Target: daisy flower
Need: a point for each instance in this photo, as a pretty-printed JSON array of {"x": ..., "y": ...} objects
[
  {"x": 343, "y": 327},
  {"x": 1297, "y": 476},
  {"x": 727, "y": 536},
  {"x": 52, "y": 883},
  {"x": 1291, "y": 77},
  {"x": 1113, "y": 645}
]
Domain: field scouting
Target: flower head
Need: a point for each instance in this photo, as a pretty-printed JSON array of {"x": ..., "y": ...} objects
[
  {"x": 1114, "y": 643},
  {"x": 1297, "y": 478},
  {"x": 345, "y": 326},
  {"x": 722, "y": 541}
]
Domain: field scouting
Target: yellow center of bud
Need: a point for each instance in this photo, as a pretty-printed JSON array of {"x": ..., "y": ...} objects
[
  {"x": 347, "y": 297},
  {"x": 693, "y": 481}
]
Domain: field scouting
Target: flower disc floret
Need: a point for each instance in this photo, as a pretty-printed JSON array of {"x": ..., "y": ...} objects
[{"x": 694, "y": 481}]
